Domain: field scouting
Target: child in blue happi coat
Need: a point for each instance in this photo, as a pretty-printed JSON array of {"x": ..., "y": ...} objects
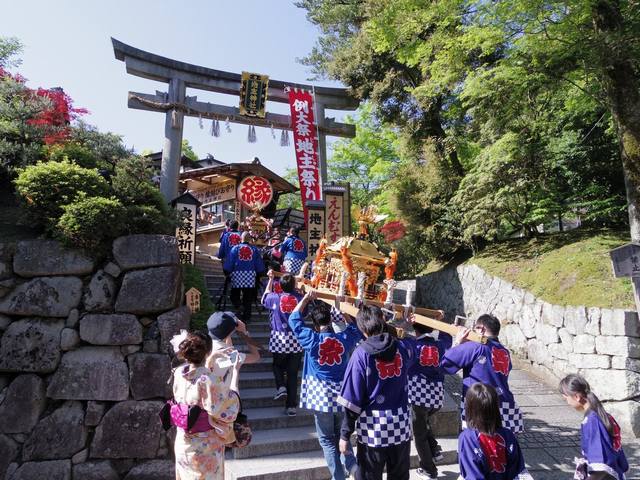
[
  {"x": 326, "y": 354},
  {"x": 486, "y": 449},
  {"x": 374, "y": 394},
  {"x": 229, "y": 239},
  {"x": 601, "y": 440},
  {"x": 294, "y": 251},
  {"x": 426, "y": 395},
  {"x": 284, "y": 348},
  {"x": 488, "y": 363}
]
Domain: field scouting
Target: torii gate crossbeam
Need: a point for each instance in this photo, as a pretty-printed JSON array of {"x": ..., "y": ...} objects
[{"x": 176, "y": 104}]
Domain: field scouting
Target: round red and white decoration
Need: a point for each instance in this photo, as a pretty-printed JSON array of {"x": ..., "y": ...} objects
[{"x": 255, "y": 192}]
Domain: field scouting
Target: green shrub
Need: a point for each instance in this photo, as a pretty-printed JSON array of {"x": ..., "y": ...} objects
[
  {"x": 92, "y": 223},
  {"x": 45, "y": 188},
  {"x": 73, "y": 152},
  {"x": 193, "y": 277},
  {"x": 147, "y": 219}
]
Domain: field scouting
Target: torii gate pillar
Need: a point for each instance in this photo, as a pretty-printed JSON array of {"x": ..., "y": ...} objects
[{"x": 172, "y": 148}]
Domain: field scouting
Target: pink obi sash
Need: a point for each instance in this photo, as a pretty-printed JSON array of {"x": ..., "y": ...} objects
[{"x": 184, "y": 416}]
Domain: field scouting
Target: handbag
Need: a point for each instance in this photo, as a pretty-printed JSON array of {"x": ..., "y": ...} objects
[{"x": 241, "y": 429}]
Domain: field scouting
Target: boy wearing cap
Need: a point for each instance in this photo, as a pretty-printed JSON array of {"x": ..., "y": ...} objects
[
  {"x": 221, "y": 326},
  {"x": 325, "y": 361},
  {"x": 244, "y": 264}
]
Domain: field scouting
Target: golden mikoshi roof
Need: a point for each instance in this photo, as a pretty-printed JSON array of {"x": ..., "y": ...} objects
[{"x": 358, "y": 248}]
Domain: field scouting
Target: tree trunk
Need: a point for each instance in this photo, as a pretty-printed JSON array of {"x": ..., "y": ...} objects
[{"x": 623, "y": 96}]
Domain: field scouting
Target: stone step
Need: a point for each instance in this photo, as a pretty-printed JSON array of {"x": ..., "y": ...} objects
[
  {"x": 309, "y": 465},
  {"x": 263, "y": 365},
  {"x": 262, "y": 379},
  {"x": 275, "y": 418},
  {"x": 259, "y": 398}
]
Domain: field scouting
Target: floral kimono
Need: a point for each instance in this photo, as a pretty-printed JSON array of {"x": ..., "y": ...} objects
[{"x": 200, "y": 456}]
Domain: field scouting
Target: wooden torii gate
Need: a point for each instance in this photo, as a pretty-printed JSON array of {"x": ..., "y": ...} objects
[{"x": 176, "y": 104}]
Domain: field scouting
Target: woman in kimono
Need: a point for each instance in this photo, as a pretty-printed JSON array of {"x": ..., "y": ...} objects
[
  {"x": 601, "y": 441},
  {"x": 199, "y": 450}
]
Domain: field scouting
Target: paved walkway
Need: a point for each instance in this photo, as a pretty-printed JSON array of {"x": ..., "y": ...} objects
[{"x": 552, "y": 431}]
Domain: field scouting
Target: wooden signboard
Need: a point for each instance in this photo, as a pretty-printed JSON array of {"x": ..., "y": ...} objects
[
  {"x": 192, "y": 298},
  {"x": 625, "y": 260},
  {"x": 217, "y": 193},
  {"x": 186, "y": 206},
  {"x": 315, "y": 229},
  {"x": 253, "y": 94}
]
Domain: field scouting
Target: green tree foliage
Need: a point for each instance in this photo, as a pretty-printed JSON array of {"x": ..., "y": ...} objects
[
  {"x": 367, "y": 161},
  {"x": 290, "y": 200},
  {"x": 510, "y": 112}
]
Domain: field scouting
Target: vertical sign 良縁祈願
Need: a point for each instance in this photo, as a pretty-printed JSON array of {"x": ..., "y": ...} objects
[
  {"x": 186, "y": 206},
  {"x": 305, "y": 143},
  {"x": 315, "y": 226}
]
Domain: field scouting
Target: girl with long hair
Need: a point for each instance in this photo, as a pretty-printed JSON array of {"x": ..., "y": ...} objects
[
  {"x": 486, "y": 449},
  {"x": 601, "y": 441}
]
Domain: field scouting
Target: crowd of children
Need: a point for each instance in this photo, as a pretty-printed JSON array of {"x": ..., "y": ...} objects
[{"x": 359, "y": 377}]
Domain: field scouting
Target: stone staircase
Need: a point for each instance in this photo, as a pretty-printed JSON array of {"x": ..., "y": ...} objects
[
  {"x": 283, "y": 447},
  {"x": 286, "y": 448}
]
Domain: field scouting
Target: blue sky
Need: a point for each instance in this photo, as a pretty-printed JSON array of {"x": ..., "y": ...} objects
[{"x": 67, "y": 43}]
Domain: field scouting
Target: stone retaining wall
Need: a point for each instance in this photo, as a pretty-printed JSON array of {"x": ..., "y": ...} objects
[
  {"x": 600, "y": 343},
  {"x": 83, "y": 359}
]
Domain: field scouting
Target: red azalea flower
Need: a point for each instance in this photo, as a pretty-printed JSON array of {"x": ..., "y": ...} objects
[{"x": 330, "y": 352}]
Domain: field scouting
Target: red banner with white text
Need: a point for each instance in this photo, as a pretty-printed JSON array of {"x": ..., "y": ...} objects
[{"x": 305, "y": 142}]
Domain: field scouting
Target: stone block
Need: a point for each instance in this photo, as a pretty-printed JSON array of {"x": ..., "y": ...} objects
[
  {"x": 547, "y": 333},
  {"x": 593, "y": 321},
  {"x": 72, "y": 319},
  {"x": 100, "y": 293},
  {"x": 170, "y": 324},
  {"x": 153, "y": 290},
  {"x": 622, "y": 346},
  {"x": 552, "y": 314},
  {"x": 43, "y": 258},
  {"x": 150, "y": 346},
  {"x": 130, "y": 349},
  {"x": 112, "y": 269},
  {"x": 5, "y": 270},
  {"x": 95, "y": 412},
  {"x": 51, "y": 470},
  {"x": 80, "y": 457},
  {"x": 625, "y": 363},
  {"x": 91, "y": 373},
  {"x": 8, "y": 452},
  {"x": 537, "y": 352},
  {"x": 627, "y": 414},
  {"x": 149, "y": 373},
  {"x": 69, "y": 339},
  {"x": 110, "y": 329},
  {"x": 31, "y": 345},
  {"x": 44, "y": 297},
  {"x": 101, "y": 470},
  {"x": 514, "y": 339},
  {"x": 613, "y": 384},
  {"x": 146, "y": 321},
  {"x": 528, "y": 320},
  {"x": 59, "y": 435},
  {"x": 153, "y": 470},
  {"x": 584, "y": 343},
  {"x": 144, "y": 251},
  {"x": 4, "y": 322},
  {"x": 566, "y": 339},
  {"x": 560, "y": 367},
  {"x": 620, "y": 322},
  {"x": 6, "y": 286},
  {"x": 129, "y": 430},
  {"x": 558, "y": 351},
  {"x": 575, "y": 319},
  {"x": 579, "y": 360}
]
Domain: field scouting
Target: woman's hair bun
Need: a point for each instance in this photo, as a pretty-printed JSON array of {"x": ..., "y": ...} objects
[{"x": 195, "y": 347}]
